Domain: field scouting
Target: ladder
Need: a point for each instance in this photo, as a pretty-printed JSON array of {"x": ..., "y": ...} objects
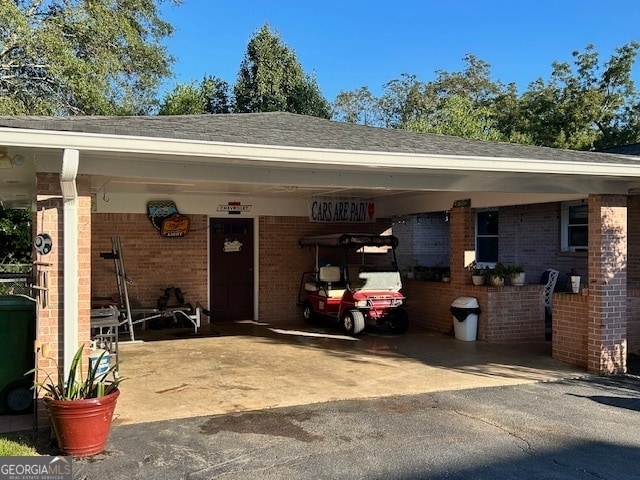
[{"x": 121, "y": 277}]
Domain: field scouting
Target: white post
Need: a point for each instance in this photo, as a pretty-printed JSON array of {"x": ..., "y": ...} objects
[{"x": 70, "y": 160}]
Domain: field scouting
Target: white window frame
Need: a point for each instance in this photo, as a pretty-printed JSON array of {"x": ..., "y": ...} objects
[
  {"x": 484, "y": 210},
  {"x": 564, "y": 226}
]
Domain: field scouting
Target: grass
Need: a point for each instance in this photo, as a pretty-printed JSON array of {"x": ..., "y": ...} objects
[
  {"x": 25, "y": 444},
  {"x": 17, "y": 445}
]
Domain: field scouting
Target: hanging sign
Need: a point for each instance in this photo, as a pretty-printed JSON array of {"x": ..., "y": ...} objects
[
  {"x": 342, "y": 210},
  {"x": 166, "y": 218},
  {"x": 234, "y": 208}
]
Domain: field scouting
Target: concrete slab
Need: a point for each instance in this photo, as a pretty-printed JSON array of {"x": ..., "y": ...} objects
[{"x": 251, "y": 366}]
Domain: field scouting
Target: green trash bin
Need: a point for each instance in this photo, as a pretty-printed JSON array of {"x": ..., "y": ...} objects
[{"x": 17, "y": 334}]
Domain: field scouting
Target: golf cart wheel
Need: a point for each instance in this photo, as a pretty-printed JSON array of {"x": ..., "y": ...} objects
[
  {"x": 353, "y": 322},
  {"x": 398, "y": 320},
  {"x": 307, "y": 312},
  {"x": 17, "y": 398}
]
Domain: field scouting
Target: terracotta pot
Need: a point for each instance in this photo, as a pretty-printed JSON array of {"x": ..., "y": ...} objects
[{"x": 82, "y": 426}]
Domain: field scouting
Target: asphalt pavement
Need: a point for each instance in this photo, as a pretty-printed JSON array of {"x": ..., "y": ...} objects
[{"x": 581, "y": 428}]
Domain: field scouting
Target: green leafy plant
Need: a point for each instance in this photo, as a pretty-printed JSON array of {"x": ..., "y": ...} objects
[
  {"x": 80, "y": 385},
  {"x": 500, "y": 270},
  {"x": 515, "y": 269}
]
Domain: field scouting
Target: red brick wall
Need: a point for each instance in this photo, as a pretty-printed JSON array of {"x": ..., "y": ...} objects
[
  {"x": 514, "y": 314},
  {"x": 281, "y": 261},
  {"x": 508, "y": 314},
  {"x": 152, "y": 262},
  {"x": 633, "y": 236},
  {"x": 570, "y": 328},
  {"x": 633, "y": 321},
  {"x": 607, "y": 284}
]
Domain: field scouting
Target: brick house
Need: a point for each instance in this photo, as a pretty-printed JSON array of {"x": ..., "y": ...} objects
[{"x": 254, "y": 177}]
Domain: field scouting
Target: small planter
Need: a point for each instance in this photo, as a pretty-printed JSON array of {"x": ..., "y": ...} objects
[
  {"x": 497, "y": 281},
  {"x": 575, "y": 283},
  {"x": 82, "y": 426},
  {"x": 517, "y": 279},
  {"x": 477, "y": 279}
]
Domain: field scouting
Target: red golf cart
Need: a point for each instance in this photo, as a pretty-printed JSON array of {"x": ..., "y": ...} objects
[{"x": 354, "y": 294}]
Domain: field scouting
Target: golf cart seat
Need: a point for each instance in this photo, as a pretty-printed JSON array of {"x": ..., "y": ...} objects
[{"x": 330, "y": 275}]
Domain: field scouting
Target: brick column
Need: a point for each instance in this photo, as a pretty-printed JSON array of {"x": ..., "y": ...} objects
[
  {"x": 607, "y": 322},
  {"x": 48, "y": 218},
  {"x": 461, "y": 240}
]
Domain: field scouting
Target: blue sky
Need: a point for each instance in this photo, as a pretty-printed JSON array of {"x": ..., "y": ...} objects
[{"x": 354, "y": 43}]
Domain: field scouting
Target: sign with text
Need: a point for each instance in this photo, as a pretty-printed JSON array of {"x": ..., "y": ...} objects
[{"x": 342, "y": 210}]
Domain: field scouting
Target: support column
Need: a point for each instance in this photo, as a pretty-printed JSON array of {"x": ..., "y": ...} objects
[
  {"x": 49, "y": 218},
  {"x": 607, "y": 322},
  {"x": 461, "y": 241}
]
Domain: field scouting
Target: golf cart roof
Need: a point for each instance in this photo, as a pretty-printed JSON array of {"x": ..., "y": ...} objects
[{"x": 346, "y": 240}]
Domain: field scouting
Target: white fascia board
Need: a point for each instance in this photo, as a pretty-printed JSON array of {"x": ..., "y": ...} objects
[{"x": 176, "y": 148}]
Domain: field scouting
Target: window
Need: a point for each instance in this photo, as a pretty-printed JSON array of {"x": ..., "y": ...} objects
[
  {"x": 575, "y": 226},
  {"x": 487, "y": 236}
]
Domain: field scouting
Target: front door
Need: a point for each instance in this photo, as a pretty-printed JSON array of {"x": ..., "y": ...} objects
[{"x": 231, "y": 257}]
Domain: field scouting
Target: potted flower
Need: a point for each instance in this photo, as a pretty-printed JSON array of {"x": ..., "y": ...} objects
[
  {"x": 478, "y": 274},
  {"x": 517, "y": 275},
  {"x": 81, "y": 406}
]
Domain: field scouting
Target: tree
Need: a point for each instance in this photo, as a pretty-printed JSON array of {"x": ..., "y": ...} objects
[
  {"x": 459, "y": 117},
  {"x": 587, "y": 105},
  {"x": 68, "y": 57},
  {"x": 15, "y": 236},
  {"x": 271, "y": 79},
  {"x": 211, "y": 96},
  {"x": 356, "y": 106}
]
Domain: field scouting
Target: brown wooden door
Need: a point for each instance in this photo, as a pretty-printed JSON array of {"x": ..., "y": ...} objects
[{"x": 231, "y": 257}]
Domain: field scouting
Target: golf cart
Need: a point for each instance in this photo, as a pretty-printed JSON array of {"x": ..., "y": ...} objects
[{"x": 355, "y": 295}]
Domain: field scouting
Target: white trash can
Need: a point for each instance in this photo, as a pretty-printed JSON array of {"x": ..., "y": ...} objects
[{"x": 465, "y": 312}]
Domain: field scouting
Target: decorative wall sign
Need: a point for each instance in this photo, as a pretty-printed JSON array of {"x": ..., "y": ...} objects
[
  {"x": 341, "y": 210},
  {"x": 174, "y": 226},
  {"x": 234, "y": 208},
  {"x": 164, "y": 216},
  {"x": 43, "y": 243},
  {"x": 231, "y": 245},
  {"x": 462, "y": 203}
]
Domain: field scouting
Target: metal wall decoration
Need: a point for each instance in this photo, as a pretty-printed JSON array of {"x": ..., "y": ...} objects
[
  {"x": 43, "y": 243},
  {"x": 166, "y": 218}
]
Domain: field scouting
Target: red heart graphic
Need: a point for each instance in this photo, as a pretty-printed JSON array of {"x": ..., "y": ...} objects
[{"x": 371, "y": 209}]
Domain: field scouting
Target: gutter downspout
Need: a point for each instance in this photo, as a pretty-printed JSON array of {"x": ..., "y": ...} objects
[{"x": 70, "y": 161}]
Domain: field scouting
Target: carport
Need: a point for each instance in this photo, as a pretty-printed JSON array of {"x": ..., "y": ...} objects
[
  {"x": 252, "y": 178},
  {"x": 254, "y": 365}
]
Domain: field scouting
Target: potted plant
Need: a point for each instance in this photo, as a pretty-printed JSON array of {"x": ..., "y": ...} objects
[
  {"x": 81, "y": 406},
  {"x": 517, "y": 275},
  {"x": 498, "y": 273},
  {"x": 478, "y": 274}
]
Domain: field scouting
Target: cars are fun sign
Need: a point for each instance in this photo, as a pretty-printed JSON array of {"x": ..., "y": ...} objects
[{"x": 342, "y": 210}]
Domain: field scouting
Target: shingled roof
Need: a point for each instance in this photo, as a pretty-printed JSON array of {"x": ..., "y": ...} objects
[{"x": 292, "y": 130}]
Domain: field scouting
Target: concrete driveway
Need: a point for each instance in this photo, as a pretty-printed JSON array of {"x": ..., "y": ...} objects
[{"x": 250, "y": 366}]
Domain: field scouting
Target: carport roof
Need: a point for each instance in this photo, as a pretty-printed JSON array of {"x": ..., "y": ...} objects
[{"x": 300, "y": 131}]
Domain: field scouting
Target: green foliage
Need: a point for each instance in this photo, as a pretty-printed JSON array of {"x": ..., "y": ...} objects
[
  {"x": 271, "y": 79},
  {"x": 584, "y": 105},
  {"x": 15, "y": 448},
  {"x": 78, "y": 384},
  {"x": 68, "y": 57},
  {"x": 212, "y": 95},
  {"x": 15, "y": 236}
]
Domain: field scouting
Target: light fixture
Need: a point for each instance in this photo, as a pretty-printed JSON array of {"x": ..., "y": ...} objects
[
  {"x": 5, "y": 160},
  {"x": 18, "y": 160}
]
